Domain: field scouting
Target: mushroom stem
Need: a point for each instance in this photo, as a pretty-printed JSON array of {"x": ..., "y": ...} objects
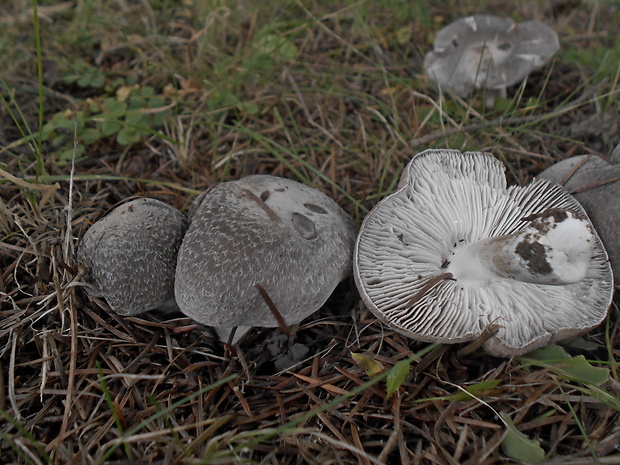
[{"x": 555, "y": 248}]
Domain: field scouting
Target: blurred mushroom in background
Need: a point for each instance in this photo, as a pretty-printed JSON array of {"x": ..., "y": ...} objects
[
  {"x": 130, "y": 256},
  {"x": 595, "y": 183},
  {"x": 261, "y": 251},
  {"x": 490, "y": 52},
  {"x": 454, "y": 252}
]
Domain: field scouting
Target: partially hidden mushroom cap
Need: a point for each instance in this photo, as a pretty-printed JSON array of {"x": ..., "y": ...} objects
[
  {"x": 488, "y": 51},
  {"x": 596, "y": 185},
  {"x": 130, "y": 256},
  {"x": 614, "y": 158},
  {"x": 454, "y": 251},
  {"x": 262, "y": 237}
]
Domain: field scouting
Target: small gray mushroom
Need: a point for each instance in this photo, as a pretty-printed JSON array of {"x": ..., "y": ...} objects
[
  {"x": 596, "y": 185},
  {"x": 486, "y": 51},
  {"x": 260, "y": 239},
  {"x": 455, "y": 251},
  {"x": 130, "y": 256}
]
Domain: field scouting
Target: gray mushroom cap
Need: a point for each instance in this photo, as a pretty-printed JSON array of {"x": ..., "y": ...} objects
[
  {"x": 614, "y": 158},
  {"x": 290, "y": 239},
  {"x": 421, "y": 262},
  {"x": 596, "y": 185},
  {"x": 130, "y": 256},
  {"x": 486, "y": 51}
]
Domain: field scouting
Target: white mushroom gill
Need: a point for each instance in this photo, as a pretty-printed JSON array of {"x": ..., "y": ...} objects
[{"x": 425, "y": 260}]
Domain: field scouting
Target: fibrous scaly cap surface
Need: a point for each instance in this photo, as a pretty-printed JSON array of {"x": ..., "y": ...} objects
[
  {"x": 290, "y": 239},
  {"x": 446, "y": 201},
  {"x": 130, "y": 255}
]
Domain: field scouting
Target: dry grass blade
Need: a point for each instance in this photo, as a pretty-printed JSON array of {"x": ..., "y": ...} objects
[
  {"x": 28, "y": 185},
  {"x": 272, "y": 308}
]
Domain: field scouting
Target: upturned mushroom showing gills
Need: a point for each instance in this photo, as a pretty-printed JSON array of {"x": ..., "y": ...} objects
[
  {"x": 130, "y": 256},
  {"x": 454, "y": 251},
  {"x": 259, "y": 250},
  {"x": 486, "y": 51},
  {"x": 595, "y": 184}
]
